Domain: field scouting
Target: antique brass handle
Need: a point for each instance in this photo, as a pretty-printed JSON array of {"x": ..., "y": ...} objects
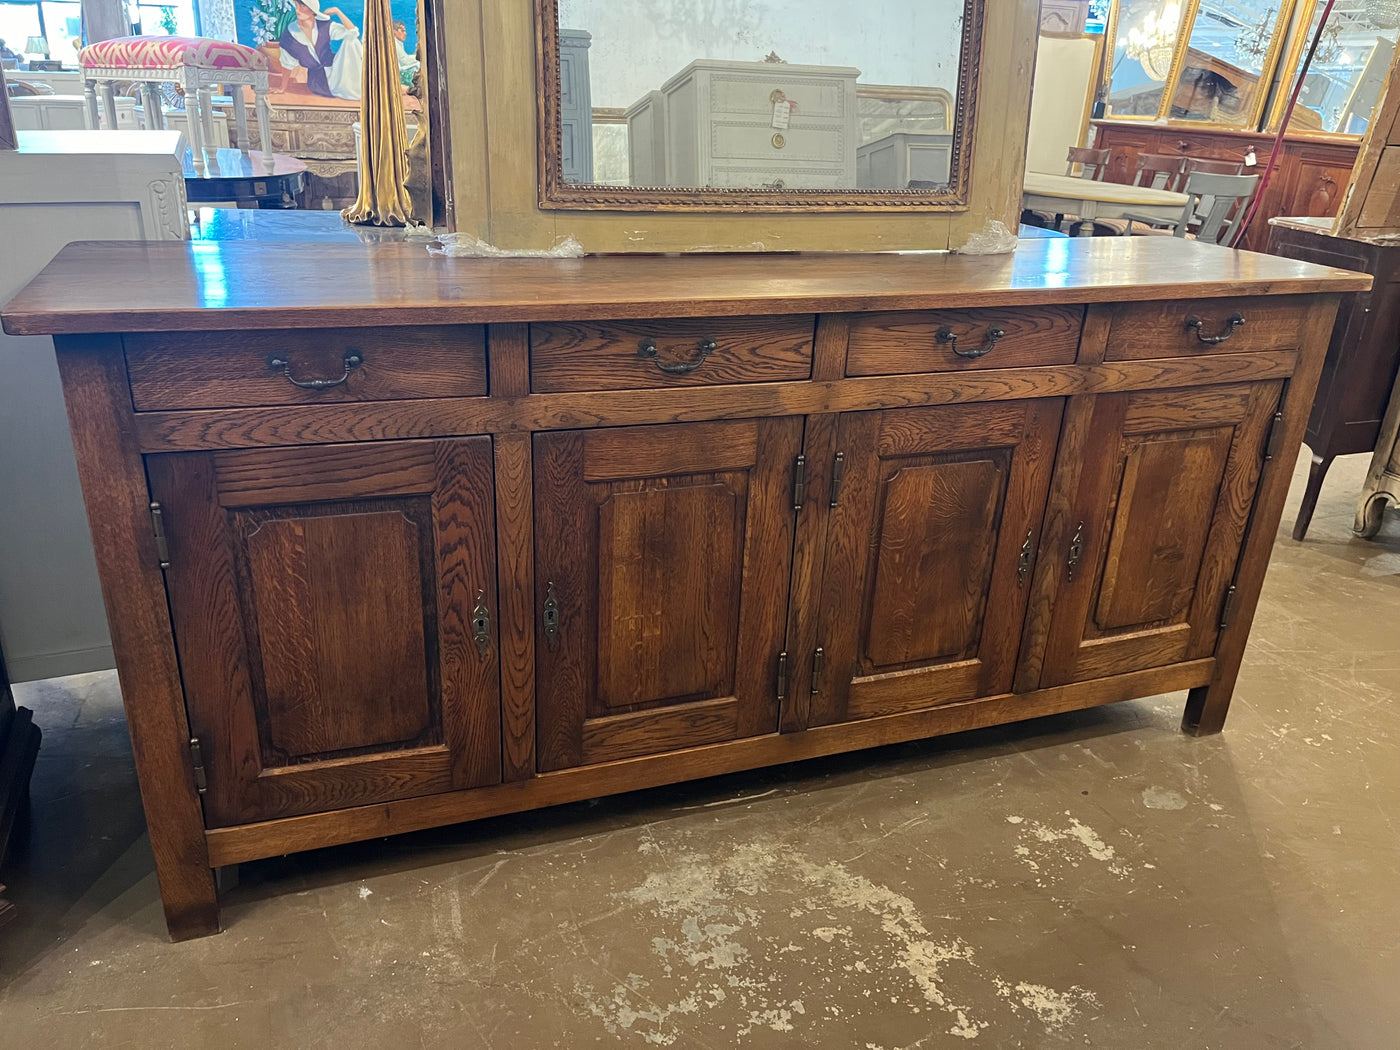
[
  {"x": 353, "y": 360},
  {"x": 1235, "y": 320},
  {"x": 647, "y": 349},
  {"x": 1076, "y": 551},
  {"x": 946, "y": 335},
  {"x": 481, "y": 625}
]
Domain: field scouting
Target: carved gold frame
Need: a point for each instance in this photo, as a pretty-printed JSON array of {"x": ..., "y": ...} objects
[{"x": 557, "y": 194}]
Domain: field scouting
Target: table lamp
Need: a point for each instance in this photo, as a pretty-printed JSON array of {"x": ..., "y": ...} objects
[{"x": 37, "y": 45}]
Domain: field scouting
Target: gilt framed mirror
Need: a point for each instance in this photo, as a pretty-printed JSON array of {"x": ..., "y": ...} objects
[{"x": 757, "y": 105}]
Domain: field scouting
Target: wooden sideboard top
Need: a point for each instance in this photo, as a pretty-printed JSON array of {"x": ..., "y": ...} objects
[{"x": 136, "y": 286}]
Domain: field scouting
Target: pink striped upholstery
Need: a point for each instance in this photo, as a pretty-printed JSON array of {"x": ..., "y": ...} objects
[{"x": 170, "y": 52}]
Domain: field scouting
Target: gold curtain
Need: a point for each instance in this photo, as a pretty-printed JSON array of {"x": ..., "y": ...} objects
[{"x": 383, "y": 198}]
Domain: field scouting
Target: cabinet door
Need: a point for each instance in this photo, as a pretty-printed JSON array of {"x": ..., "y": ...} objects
[
  {"x": 929, "y": 550},
  {"x": 1155, "y": 521},
  {"x": 662, "y": 565},
  {"x": 326, "y": 604}
]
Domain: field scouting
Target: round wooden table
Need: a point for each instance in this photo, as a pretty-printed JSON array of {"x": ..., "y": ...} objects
[
  {"x": 1091, "y": 200},
  {"x": 232, "y": 175}
]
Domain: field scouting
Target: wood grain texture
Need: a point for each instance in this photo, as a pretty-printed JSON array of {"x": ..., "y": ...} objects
[
  {"x": 312, "y": 425},
  {"x": 1207, "y": 705},
  {"x": 923, "y": 593},
  {"x": 508, "y": 357},
  {"x": 326, "y": 644},
  {"x": 1144, "y": 331},
  {"x": 273, "y": 838},
  {"x": 891, "y": 343},
  {"x": 671, "y": 582},
  {"x": 230, "y": 369},
  {"x": 143, "y": 286},
  {"x": 114, "y": 490},
  {"x": 1163, "y": 496},
  {"x": 604, "y": 356},
  {"x": 515, "y": 551}
]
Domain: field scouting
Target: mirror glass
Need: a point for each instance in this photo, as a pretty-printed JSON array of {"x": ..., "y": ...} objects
[
  {"x": 1144, "y": 40},
  {"x": 759, "y": 94},
  {"x": 1222, "y": 78},
  {"x": 1349, "y": 70}
]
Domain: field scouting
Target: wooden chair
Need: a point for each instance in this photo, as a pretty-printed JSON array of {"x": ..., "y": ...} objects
[
  {"x": 1093, "y": 164},
  {"x": 1214, "y": 167},
  {"x": 1214, "y": 202},
  {"x": 1157, "y": 171}
]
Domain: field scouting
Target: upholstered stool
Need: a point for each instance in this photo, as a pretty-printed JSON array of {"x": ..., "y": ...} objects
[{"x": 197, "y": 64}]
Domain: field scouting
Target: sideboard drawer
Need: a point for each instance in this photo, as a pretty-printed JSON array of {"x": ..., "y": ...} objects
[
  {"x": 950, "y": 340},
  {"x": 701, "y": 351},
  {"x": 1186, "y": 327},
  {"x": 299, "y": 367}
]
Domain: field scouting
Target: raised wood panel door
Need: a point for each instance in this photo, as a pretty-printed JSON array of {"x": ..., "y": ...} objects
[
  {"x": 662, "y": 564},
  {"x": 1154, "y": 525},
  {"x": 334, "y": 614},
  {"x": 929, "y": 554}
]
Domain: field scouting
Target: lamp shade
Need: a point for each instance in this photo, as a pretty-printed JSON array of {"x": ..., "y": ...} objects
[{"x": 36, "y": 45}]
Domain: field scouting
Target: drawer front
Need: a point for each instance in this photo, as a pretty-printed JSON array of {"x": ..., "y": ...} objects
[
  {"x": 953, "y": 340},
  {"x": 633, "y": 355},
  {"x": 237, "y": 370},
  {"x": 1188, "y": 327}
]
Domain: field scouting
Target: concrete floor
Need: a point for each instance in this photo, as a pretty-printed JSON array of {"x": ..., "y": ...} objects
[{"x": 1095, "y": 879}]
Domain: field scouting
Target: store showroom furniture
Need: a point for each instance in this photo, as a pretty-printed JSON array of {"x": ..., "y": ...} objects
[{"x": 389, "y": 541}]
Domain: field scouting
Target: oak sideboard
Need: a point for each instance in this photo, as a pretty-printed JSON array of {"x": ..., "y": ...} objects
[{"x": 389, "y": 540}]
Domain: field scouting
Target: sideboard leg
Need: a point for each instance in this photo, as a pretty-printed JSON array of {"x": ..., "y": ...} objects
[
  {"x": 1207, "y": 705},
  {"x": 1318, "y": 472},
  {"x": 133, "y": 590}
]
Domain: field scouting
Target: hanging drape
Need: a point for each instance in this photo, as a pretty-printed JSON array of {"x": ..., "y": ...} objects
[{"x": 383, "y": 197}]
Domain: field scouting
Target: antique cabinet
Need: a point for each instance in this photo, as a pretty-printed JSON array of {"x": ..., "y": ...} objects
[
  {"x": 1312, "y": 174},
  {"x": 1363, "y": 355},
  {"x": 389, "y": 541},
  {"x": 717, "y": 126},
  {"x": 575, "y": 106}
]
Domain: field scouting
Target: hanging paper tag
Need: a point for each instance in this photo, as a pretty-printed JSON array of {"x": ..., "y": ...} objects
[
  {"x": 1250, "y": 160},
  {"x": 782, "y": 114}
]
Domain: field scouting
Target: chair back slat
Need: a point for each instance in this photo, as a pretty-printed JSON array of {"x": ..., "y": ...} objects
[
  {"x": 1093, "y": 162},
  {"x": 1214, "y": 167},
  {"x": 1160, "y": 171},
  {"x": 1214, "y": 201}
]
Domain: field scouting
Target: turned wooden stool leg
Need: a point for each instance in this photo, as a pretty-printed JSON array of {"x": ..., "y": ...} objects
[
  {"x": 194, "y": 130},
  {"x": 90, "y": 93},
  {"x": 1316, "y": 474},
  {"x": 264, "y": 126},
  {"x": 109, "y": 105},
  {"x": 240, "y": 117},
  {"x": 155, "y": 107},
  {"x": 206, "y": 117}
]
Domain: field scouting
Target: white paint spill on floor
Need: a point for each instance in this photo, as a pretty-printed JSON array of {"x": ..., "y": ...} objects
[
  {"x": 1160, "y": 798},
  {"x": 707, "y": 918}
]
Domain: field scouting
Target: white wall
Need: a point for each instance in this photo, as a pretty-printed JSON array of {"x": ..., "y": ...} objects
[{"x": 639, "y": 44}]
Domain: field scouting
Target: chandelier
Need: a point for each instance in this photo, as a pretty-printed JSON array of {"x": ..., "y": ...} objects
[
  {"x": 1152, "y": 43},
  {"x": 1383, "y": 14},
  {"x": 1253, "y": 42}
]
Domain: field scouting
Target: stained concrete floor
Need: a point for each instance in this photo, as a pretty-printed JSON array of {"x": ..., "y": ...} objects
[{"x": 1095, "y": 879}]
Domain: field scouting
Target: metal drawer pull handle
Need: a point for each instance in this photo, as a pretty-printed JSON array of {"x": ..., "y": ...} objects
[
  {"x": 1232, "y": 322},
  {"x": 946, "y": 335},
  {"x": 647, "y": 349},
  {"x": 353, "y": 360}
]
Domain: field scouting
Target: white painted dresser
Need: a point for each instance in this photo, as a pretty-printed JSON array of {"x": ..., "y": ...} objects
[{"x": 714, "y": 124}]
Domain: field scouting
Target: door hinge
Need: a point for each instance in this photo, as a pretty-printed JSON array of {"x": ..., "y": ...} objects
[
  {"x": 782, "y": 675},
  {"x": 1273, "y": 444},
  {"x": 1227, "y": 611},
  {"x": 799, "y": 482},
  {"x": 818, "y": 661},
  {"x": 158, "y": 528},
  {"x": 838, "y": 474},
  {"x": 201, "y": 780}
]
